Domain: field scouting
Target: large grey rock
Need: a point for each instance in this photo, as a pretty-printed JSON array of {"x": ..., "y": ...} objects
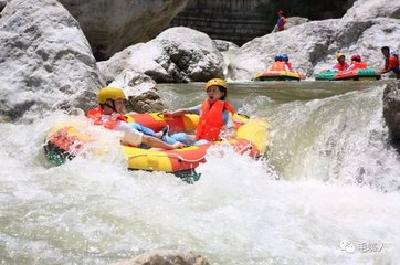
[
  {"x": 110, "y": 26},
  {"x": 141, "y": 91},
  {"x": 45, "y": 60},
  {"x": 176, "y": 55},
  {"x": 391, "y": 110},
  {"x": 368, "y": 9},
  {"x": 312, "y": 46},
  {"x": 166, "y": 258},
  {"x": 305, "y": 44},
  {"x": 294, "y": 21}
]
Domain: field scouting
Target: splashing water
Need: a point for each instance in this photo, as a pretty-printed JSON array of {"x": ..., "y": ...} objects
[{"x": 316, "y": 199}]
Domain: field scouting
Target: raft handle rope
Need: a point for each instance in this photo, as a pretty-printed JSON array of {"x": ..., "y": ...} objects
[{"x": 179, "y": 158}]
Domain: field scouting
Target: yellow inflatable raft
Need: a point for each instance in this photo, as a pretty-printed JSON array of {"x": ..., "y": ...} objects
[{"x": 65, "y": 142}]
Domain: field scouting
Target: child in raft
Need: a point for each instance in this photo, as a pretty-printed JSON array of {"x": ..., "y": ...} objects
[{"x": 215, "y": 115}]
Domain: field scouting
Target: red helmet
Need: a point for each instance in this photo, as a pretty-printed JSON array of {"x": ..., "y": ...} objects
[{"x": 355, "y": 57}]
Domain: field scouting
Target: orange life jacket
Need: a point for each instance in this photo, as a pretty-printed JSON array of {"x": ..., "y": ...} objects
[
  {"x": 341, "y": 67},
  {"x": 359, "y": 65},
  {"x": 211, "y": 119},
  {"x": 278, "y": 66},
  {"x": 96, "y": 114}
]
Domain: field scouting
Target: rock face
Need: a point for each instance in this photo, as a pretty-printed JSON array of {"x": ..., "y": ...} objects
[
  {"x": 110, "y": 26},
  {"x": 294, "y": 21},
  {"x": 45, "y": 59},
  {"x": 176, "y": 55},
  {"x": 367, "y": 9},
  {"x": 141, "y": 91},
  {"x": 312, "y": 46},
  {"x": 166, "y": 258},
  {"x": 240, "y": 21},
  {"x": 391, "y": 110}
]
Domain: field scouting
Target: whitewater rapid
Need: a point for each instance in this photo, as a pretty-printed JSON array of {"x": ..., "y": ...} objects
[{"x": 326, "y": 193}]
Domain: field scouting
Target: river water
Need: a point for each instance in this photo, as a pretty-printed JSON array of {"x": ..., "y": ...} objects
[{"x": 327, "y": 191}]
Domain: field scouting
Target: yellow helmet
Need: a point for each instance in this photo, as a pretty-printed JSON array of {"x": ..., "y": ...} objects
[
  {"x": 216, "y": 82},
  {"x": 338, "y": 54},
  {"x": 109, "y": 93}
]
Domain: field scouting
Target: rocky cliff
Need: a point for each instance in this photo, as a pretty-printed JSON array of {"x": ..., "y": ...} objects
[
  {"x": 110, "y": 26},
  {"x": 240, "y": 21}
]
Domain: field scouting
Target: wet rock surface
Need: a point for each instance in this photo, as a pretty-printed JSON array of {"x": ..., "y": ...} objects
[{"x": 391, "y": 110}]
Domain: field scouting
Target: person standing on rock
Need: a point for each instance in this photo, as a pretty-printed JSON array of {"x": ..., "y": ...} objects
[
  {"x": 110, "y": 114},
  {"x": 280, "y": 22},
  {"x": 391, "y": 62},
  {"x": 341, "y": 62}
]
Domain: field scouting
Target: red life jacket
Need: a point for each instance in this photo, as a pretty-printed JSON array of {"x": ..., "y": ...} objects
[
  {"x": 211, "y": 119},
  {"x": 278, "y": 66},
  {"x": 392, "y": 63},
  {"x": 341, "y": 67},
  {"x": 96, "y": 114},
  {"x": 289, "y": 66},
  {"x": 358, "y": 65}
]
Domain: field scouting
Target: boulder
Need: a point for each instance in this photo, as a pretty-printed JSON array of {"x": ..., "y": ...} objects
[
  {"x": 110, "y": 26},
  {"x": 294, "y": 21},
  {"x": 391, "y": 110},
  {"x": 45, "y": 59},
  {"x": 141, "y": 91},
  {"x": 305, "y": 44},
  {"x": 176, "y": 55},
  {"x": 312, "y": 46},
  {"x": 369, "y": 9},
  {"x": 166, "y": 258}
]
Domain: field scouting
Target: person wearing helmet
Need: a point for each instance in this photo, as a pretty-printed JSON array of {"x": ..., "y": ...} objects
[
  {"x": 215, "y": 115},
  {"x": 391, "y": 62},
  {"x": 280, "y": 22},
  {"x": 278, "y": 65},
  {"x": 110, "y": 114},
  {"x": 341, "y": 62},
  {"x": 356, "y": 63},
  {"x": 285, "y": 59}
]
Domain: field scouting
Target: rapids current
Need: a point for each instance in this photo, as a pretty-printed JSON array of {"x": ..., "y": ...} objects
[{"x": 327, "y": 191}]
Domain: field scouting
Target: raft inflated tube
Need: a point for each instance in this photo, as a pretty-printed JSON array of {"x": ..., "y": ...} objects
[
  {"x": 278, "y": 76},
  {"x": 251, "y": 136},
  {"x": 367, "y": 74}
]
